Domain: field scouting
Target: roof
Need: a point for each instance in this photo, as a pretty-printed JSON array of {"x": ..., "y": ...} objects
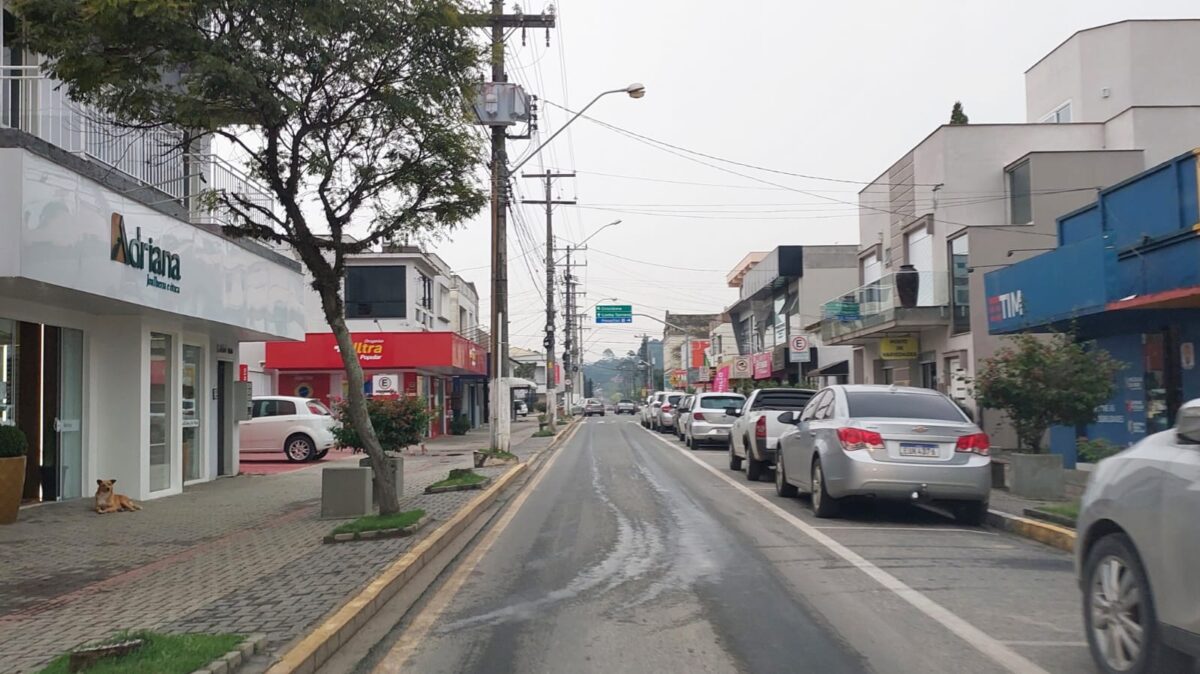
[
  {"x": 734, "y": 277},
  {"x": 1102, "y": 26}
]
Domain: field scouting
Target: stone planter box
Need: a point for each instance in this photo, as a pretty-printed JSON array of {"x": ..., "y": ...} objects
[
  {"x": 458, "y": 487},
  {"x": 1036, "y": 476},
  {"x": 378, "y": 534},
  {"x": 345, "y": 492}
]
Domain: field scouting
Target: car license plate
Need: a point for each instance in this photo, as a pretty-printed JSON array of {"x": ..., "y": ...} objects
[
  {"x": 720, "y": 431},
  {"x": 916, "y": 449}
]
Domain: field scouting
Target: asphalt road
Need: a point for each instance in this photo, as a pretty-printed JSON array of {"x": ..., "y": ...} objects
[{"x": 630, "y": 553}]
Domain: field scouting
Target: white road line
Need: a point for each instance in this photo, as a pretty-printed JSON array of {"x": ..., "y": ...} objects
[
  {"x": 1072, "y": 644},
  {"x": 985, "y": 643}
]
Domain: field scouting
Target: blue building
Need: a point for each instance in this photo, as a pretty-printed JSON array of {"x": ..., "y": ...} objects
[{"x": 1125, "y": 273}]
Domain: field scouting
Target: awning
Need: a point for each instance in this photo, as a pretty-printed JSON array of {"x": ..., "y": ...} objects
[
  {"x": 440, "y": 353},
  {"x": 517, "y": 382},
  {"x": 1178, "y": 298},
  {"x": 840, "y": 368}
]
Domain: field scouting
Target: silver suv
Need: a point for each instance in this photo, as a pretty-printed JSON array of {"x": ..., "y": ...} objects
[{"x": 1139, "y": 550}]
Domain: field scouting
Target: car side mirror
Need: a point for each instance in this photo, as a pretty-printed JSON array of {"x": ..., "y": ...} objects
[
  {"x": 733, "y": 411},
  {"x": 1187, "y": 426},
  {"x": 788, "y": 417}
]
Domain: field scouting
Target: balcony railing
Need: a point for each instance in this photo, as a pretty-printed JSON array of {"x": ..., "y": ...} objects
[
  {"x": 153, "y": 157},
  {"x": 882, "y": 303}
]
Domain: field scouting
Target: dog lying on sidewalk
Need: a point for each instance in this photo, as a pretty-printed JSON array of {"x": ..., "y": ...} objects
[{"x": 109, "y": 501}]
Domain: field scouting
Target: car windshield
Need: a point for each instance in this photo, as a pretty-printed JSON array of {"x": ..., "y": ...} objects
[
  {"x": 721, "y": 402},
  {"x": 783, "y": 399},
  {"x": 900, "y": 405},
  {"x": 626, "y": 402}
]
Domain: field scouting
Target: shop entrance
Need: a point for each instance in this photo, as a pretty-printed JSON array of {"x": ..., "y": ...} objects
[{"x": 41, "y": 392}]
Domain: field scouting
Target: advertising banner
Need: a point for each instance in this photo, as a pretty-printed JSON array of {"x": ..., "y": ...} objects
[
  {"x": 899, "y": 348},
  {"x": 761, "y": 364},
  {"x": 699, "y": 346},
  {"x": 721, "y": 381}
]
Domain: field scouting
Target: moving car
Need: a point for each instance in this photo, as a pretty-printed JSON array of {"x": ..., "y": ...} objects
[
  {"x": 1138, "y": 551},
  {"x": 592, "y": 406},
  {"x": 682, "y": 413},
  {"x": 892, "y": 442},
  {"x": 302, "y": 428},
  {"x": 755, "y": 432},
  {"x": 664, "y": 415},
  {"x": 707, "y": 422},
  {"x": 626, "y": 406}
]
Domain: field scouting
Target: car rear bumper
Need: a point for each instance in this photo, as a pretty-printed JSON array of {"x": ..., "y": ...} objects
[
  {"x": 848, "y": 475},
  {"x": 667, "y": 421},
  {"x": 703, "y": 431}
]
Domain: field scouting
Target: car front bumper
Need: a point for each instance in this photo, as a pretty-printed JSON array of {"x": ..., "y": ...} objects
[{"x": 857, "y": 474}]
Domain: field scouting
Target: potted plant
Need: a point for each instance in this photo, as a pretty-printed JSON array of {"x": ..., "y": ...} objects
[{"x": 12, "y": 472}]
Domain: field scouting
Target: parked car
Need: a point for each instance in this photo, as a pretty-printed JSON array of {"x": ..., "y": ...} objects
[
  {"x": 707, "y": 421},
  {"x": 754, "y": 435},
  {"x": 664, "y": 416},
  {"x": 302, "y": 428},
  {"x": 1138, "y": 550},
  {"x": 682, "y": 413},
  {"x": 592, "y": 406},
  {"x": 626, "y": 406},
  {"x": 888, "y": 442},
  {"x": 651, "y": 407}
]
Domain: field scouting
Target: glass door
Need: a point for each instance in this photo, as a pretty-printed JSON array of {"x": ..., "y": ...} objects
[
  {"x": 68, "y": 423},
  {"x": 191, "y": 395},
  {"x": 160, "y": 411},
  {"x": 8, "y": 372}
]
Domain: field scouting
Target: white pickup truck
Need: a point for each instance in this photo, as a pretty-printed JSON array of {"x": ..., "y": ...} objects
[{"x": 756, "y": 430}]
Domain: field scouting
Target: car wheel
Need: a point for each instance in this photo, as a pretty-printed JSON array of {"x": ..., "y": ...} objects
[
  {"x": 823, "y": 504},
  {"x": 782, "y": 486},
  {"x": 1119, "y": 616},
  {"x": 320, "y": 455},
  {"x": 971, "y": 513},
  {"x": 755, "y": 469},
  {"x": 735, "y": 461},
  {"x": 299, "y": 448}
]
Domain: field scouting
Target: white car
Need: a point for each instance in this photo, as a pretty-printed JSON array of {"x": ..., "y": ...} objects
[{"x": 302, "y": 428}]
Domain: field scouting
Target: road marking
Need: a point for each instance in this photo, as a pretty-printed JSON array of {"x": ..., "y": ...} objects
[
  {"x": 413, "y": 637},
  {"x": 985, "y": 643},
  {"x": 1072, "y": 644}
]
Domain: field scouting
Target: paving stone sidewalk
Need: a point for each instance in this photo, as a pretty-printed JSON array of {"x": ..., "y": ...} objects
[{"x": 241, "y": 554}]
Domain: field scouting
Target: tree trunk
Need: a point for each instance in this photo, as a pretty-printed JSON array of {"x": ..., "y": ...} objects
[{"x": 385, "y": 484}]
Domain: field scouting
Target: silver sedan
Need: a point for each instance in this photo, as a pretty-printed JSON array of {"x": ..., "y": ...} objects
[{"x": 891, "y": 442}]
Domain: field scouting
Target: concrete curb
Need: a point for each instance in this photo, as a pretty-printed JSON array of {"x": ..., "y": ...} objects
[
  {"x": 482, "y": 484},
  {"x": 233, "y": 660},
  {"x": 1043, "y": 532},
  {"x": 305, "y": 656},
  {"x": 378, "y": 534}
]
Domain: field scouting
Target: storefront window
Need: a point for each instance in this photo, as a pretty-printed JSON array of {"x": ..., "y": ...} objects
[
  {"x": 160, "y": 411},
  {"x": 193, "y": 412},
  {"x": 8, "y": 372},
  {"x": 960, "y": 282}
]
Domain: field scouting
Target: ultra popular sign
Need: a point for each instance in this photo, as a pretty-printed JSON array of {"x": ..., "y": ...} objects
[{"x": 158, "y": 262}]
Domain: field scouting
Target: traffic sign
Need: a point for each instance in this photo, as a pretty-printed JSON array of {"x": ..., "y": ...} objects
[
  {"x": 614, "y": 313},
  {"x": 798, "y": 349},
  {"x": 741, "y": 368}
]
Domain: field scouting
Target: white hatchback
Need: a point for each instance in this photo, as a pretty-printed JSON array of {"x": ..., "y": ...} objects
[{"x": 302, "y": 428}]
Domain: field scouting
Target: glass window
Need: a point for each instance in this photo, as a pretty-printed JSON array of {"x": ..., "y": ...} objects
[
  {"x": 318, "y": 409},
  {"x": 721, "y": 402},
  {"x": 284, "y": 407},
  {"x": 192, "y": 399},
  {"x": 376, "y": 292},
  {"x": 1020, "y": 207},
  {"x": 674, "y": 400},
  {"x": 8, "y": 372},
  {"x": 889, "y": 405},
  {"x": 960, "y": 294},
  {"x": 824, "y": 409},
  {"x": 782, "y": 399},
  {"x": 161, "y": 362}
]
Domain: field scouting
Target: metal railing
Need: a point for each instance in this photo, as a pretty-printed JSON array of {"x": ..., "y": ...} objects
[{"x": 152, "y": 156}]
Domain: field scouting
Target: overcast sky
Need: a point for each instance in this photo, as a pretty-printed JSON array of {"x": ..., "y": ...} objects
[{"x": 831, "y": 89}]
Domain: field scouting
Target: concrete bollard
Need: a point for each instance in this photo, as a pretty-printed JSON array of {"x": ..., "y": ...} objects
[{"x": 345, "y": 492}]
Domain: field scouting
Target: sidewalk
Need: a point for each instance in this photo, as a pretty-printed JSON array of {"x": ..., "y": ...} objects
[{"x": 241, "y": 554}]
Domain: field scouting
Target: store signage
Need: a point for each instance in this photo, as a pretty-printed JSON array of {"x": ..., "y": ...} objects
[
  {"x": 159, "y": 263},
  {"x": 761, "y": 365},
  {"x": 721, "y": 380},
  {"x": 368, "y": 350},
  {"x": 243, "y": 372},
  {"x": 699, "y": 347},
  {"x": 1004, "y": 306},
  {"x": 224, "y": 349},
  {"x": 899, "y": 348},
  {"x": 678, "y": 377},
  {"x": 741, "y": 368}
]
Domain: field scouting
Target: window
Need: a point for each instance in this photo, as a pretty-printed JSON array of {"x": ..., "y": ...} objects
[
  {"x": 871, "y": 268},
  {"x": 824, "y": 409},
  {"x": 285, "y": 407},
  {"x": 721, "y": 402},
  {"x": 162, "y": 362},
  {"x": 426, "y": 300},
  {"x": 318, "y": 409},
  {"x": 192, "y": 394},
  {"x": 376, "y": 292},
  {"x": 1019, "y": 206},
  {"x": 1060, "y": 115},
  {"x": 889, "y": 405},
  {"x": 780, "y": 313},
  {"x": 960, "y": 281},
  {"x": 782, "y": 399}
]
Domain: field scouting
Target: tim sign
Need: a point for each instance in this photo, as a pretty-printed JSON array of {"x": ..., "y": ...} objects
[{"x": 1005, "y": 306}]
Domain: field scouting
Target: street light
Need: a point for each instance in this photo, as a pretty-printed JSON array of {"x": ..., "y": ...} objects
[{"x": 635, "y": 90}]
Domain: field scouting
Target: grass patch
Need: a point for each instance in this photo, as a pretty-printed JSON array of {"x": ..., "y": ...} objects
[
  {"x": 1070, "y": 510},
  {"x": 500, "y": 454},
  {"x": 377, "y": 522},
  {"x": 545, "y": 433},
  {"x": 161, "y": 654},
  {"x": 460, "y": 477}
]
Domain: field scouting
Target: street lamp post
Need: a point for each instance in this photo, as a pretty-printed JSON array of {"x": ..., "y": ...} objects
[{"x": 501, "y": 410}]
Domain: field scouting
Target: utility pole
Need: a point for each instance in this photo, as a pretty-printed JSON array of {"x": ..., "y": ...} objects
[
  {"x": 501, "y": 406},
  {"x": 550, "y": 202},
  {"x": 572, "y": 355}
]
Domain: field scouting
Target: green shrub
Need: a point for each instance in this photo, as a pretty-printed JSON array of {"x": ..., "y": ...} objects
[
  {"x": 1091, "y": 451},
  {"x": 398, "y": 423},
  {"x": 12, "y": 442},
  {"x": 539, "y": 407},
  {"x": 460, "y": 424}
]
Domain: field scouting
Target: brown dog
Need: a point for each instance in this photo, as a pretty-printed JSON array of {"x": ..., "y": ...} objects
[{"x": 109, "y": 501}]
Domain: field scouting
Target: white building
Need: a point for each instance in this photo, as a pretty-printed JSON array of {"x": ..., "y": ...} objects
[
  {"x": 1105, "y": 104},
  {"x": 121, "y": 309}
]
